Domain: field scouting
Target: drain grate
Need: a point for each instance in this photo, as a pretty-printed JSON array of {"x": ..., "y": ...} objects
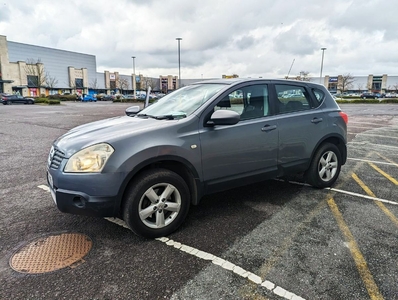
[{"x": 51, "y": 253}]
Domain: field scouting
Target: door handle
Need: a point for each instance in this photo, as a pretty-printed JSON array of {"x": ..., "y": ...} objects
[
  {"x": 316, "y": 120},
  {"x": 267, "y": 128}
]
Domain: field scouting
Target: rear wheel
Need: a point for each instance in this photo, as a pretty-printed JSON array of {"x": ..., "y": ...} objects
[
  {"x": 325, "y": 166},
  {"x": 156, "y": 203}
]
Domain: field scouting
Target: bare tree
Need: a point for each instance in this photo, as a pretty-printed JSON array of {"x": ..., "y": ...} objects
[
  {"x": 346, "y": 82},
  {"x": 123, "y": 84},
  {"x": 94, "y": 84},
  {"x": 304, "y": 76},
  {"x": 147, "y": 81},
  {"x": 395, "y": 87},
  {"x": 51, "y": 81},
  {"x": 359, "y": 87},
  {"x": 35, "y": 72}
]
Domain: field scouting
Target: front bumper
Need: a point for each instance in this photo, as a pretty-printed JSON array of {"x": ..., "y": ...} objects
[{"x": 81, "y": 203}]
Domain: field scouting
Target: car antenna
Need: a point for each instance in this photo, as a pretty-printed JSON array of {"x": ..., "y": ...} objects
[{"x": 287, "y": 77}]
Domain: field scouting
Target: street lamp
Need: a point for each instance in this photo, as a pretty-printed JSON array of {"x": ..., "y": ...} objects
[
  {"x": 323, "y": 52},
  {"x": 134, "y": 82},
  {"x": 133, "y": 57},
  {"x": 179, "y": 63}
]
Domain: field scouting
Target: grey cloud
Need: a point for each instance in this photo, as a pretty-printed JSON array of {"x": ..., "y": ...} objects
[
  {"x": 245, "y": 42},
  {"x": 250, "y": 38},
  {"x": 294, "y": 42},
  {"x": 4, "y": 13}
]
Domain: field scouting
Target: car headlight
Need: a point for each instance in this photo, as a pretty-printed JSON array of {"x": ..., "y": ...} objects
[{"x": 89, "y": 160}]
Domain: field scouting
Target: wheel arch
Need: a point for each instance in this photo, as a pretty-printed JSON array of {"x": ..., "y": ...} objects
[
  {"x": 175, "y": 164},
  {"x": 336, "y": 140}
]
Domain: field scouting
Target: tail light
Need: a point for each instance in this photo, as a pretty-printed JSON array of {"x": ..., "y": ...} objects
[{"x": 344, "y": 116}]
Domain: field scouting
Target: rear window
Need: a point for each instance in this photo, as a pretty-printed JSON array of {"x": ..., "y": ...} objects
[{"x": 319, "y": 96}]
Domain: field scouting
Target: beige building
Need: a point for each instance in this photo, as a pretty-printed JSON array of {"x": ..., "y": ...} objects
[
  {"x": 31, "y": 70},
  {"x": 371, "y": 83},
  {"x": 168, "y": 83}
]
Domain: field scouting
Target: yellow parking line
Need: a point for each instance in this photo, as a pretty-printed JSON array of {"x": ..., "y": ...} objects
[
  {"x": 383, "y": 173},
  {"x": 360, "y": 261},
  {"x": 393, "y": 218}
]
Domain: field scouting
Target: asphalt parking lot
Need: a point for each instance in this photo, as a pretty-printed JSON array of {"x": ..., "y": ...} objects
[{"x": 279, "y": 239}]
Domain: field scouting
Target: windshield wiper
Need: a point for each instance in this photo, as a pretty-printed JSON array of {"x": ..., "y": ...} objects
[
  {"x": 164, "y": 117},
  {"x": 145, "y": 115},
  {"x": 171, "y": 117}
]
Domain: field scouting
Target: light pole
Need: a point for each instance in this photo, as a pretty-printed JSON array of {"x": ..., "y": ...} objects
[
  {"x": 323, "y": 52},
  {"x": 133, "y": 57},
  {"x": 179, "y": 63},
  {"x": 134, "y": 82}
]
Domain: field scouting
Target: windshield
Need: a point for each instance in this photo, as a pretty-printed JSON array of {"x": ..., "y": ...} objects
[{"x": 182, "y": 102}]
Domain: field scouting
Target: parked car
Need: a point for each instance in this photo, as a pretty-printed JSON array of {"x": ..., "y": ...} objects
[
  {"x": 148, "y": 167},
  {"x": 108, "y": 98},
  {"x": 89, "y": 98},
  {"x": 391, "y": 95},
  {"x": 370, "y": 96},
  {"x": 7, "y": 99}
]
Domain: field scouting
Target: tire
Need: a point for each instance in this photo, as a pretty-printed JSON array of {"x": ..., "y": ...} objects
[
  {"x": 325, "y": 166},
  {"x": 156, "y": 217}
]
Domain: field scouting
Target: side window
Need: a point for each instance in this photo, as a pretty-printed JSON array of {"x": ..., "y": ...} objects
[
  {"x": 234, "y": 101},
  {"x": 319, "y": 96},
  {"x": 292, "y": 98},
  {"x": 250, "y": 102}
]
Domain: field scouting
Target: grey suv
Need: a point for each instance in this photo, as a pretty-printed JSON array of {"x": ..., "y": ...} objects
[{"x": 148, "y": 167}]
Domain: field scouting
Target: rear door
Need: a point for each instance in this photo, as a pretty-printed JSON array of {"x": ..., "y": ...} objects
[{"x": 301, "y": 125}]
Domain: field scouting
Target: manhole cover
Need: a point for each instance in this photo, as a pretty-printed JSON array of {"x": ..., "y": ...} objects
[{"x": 51, "y": 253}]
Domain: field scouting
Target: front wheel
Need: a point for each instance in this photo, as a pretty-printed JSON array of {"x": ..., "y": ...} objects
[
  {"x": 325, "y": 166},
  {"x": 156, "y": 203}
]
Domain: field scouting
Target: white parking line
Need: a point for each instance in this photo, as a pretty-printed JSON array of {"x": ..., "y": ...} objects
[
  {"x": 277, "y": 290},
  {"x": 373, "y": 124},
  {"x": 44, "y": 187},
  {"x": 344, "y": 192},
  {"x": 373, "y": 161},
  {"x": 232, "y": 267},
  {"x": 378, "y": 135},
  {"x": 222, "y": 263},
  {"x": 377, "y": 146},
  {"x": 363, "y": 127}
]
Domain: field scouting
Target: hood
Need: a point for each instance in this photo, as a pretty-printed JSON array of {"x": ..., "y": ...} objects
[{"x": 108, "y": 131}]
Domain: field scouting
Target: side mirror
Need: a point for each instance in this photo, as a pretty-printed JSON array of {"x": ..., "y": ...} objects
[
  {"x": 132, "y": 110},
  {"x": 224, "y": 117}
]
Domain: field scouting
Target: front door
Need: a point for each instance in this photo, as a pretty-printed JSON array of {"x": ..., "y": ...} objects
[{"x": 243, "y": 150}]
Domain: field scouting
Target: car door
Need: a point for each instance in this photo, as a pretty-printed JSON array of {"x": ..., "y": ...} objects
[
  {"x": 301, "y": 125},
  {"x": 19, "y": 99},
  {"x": 246, "y": 150}
]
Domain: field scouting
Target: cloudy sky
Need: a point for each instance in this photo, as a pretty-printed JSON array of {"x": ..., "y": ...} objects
[{"x": 251, "y": 38}]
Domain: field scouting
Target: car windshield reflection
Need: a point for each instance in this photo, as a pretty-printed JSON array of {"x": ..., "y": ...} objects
[{"x": 182, "y": 102}]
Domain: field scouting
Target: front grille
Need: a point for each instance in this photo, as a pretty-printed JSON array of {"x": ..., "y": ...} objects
[{"x": 56, "y": 159}]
